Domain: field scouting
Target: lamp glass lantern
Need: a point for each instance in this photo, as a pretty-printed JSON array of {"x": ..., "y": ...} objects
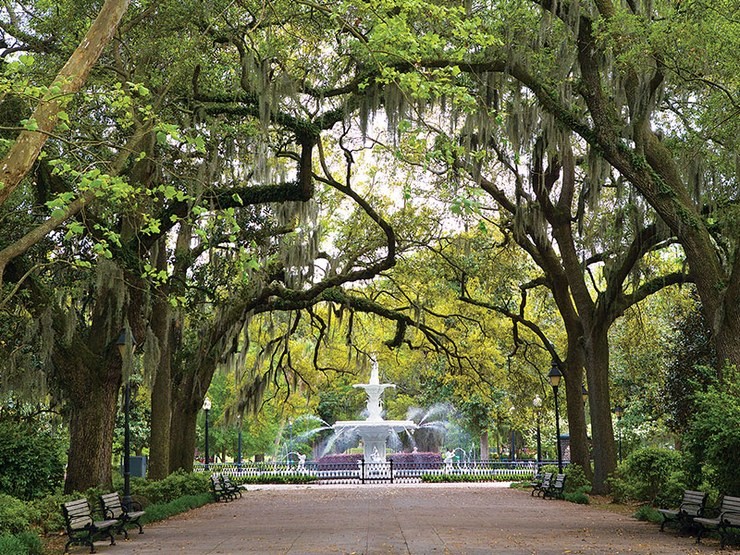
[{"x": 555, "y": 375}]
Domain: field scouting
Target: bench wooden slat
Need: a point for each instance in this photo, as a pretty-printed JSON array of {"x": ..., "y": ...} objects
[
  {"x": 81, "y": 526},
  {"x": 692, "y": 506},
  {"x": 543, "y": 485},
  {"x": 556, "y": 489},
  {"x": 728, "y": 519},
  {"x": 113, "y": 508}
]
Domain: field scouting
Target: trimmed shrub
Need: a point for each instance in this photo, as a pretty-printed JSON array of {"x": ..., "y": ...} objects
[
  {"x": 576, "y": 481},
  {"x": 161, "y": 511},
  {"x": 579, "y": 497},
  {"x": 712, "y": 441},
  {"x": 650, "y": 475},
  {"x": 25, "y": 543},
  {"x": 443, "y": 478},
  {"x": 31, "y": 460},
  {"x": 648, "y": 513},
  {"x": 47, "y": 513},
  {"x": 176, "y": 485},
  {"x": 14, "y": 515},
  {"x": 277, "y": 478}
]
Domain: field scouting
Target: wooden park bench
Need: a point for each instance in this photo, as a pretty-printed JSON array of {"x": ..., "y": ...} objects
[
  {"x": 556, "y": 488},
  {"x": 82, "y": 529},
  {"x": 691, "y": 506},
  {"x": 539, "y": 486},
  {"x": 220, "y": 491},
  {"x": 113, "y": 508},
  {"x": 728, "y": 519},
  {"x": 230, "y": 486}
]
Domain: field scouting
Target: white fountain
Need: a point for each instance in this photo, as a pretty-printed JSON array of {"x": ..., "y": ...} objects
[{"x": 374, "y": 431}]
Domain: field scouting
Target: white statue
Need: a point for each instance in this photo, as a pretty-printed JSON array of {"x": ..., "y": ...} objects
[{"x": 449, "y": 457}]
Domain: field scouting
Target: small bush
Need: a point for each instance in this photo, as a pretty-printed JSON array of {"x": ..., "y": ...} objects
[
  {"x": 176, "y": 485},
  {"x": 25, "y": 543},
  {"x": 648, "y": 513},
  {"x": 442, "y": 478},
  {"x": 277, "y": 478},
  {"x": 47, "y": 512},
  {"x": 162, "y": 511},
  {"x": 31, "y": 460},
  {"x": 14, "y": 516},
  {"x": 576, "y": 481},
  {"x": 579, "y": 497},
  {"x": 650, "y": 475},
  {"x": 712, "y": 439}
]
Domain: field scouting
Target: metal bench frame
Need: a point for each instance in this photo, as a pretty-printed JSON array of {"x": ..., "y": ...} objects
[
  {"x": 539, "y": 488},
  {"x": 691, "y": 506},
  {"x": 113, "y": 508},
  {"x": 82, "y": 529},
  {"x": 556, "y": 488},
  {"x": 728, "y": 519}
]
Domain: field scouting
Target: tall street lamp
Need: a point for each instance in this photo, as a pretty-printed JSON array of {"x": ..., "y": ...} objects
[
  {"x": 290, "y": 440},
  {"x": 512, "y": 433},
  {"x": 206, "y": 408},
  {"x": 239, "y": 442},
  {"x": 619, "y": 412},
  {"x": 126, "y": 346},
  {"x": 537, "y": 404},
  {"x": 555, "y": 376}
]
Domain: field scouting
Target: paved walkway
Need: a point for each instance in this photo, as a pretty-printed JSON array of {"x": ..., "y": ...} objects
[{"x": 401, "y": 519}]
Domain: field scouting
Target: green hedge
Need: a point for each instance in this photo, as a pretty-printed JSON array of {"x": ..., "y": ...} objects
[{"x": 464, "y": 477}]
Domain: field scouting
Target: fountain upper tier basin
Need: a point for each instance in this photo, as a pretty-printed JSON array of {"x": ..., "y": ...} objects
[{"x": 378, "y": 424}]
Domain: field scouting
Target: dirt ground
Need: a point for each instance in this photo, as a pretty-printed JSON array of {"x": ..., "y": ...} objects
[{"x": 410, "y": 519}]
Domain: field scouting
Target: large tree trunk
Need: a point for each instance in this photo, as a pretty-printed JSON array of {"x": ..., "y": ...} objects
[
  {"x": 597, "y": 371},
  {"x": 92, "y": 389},
  {"x": 159, "y": 452},
  {"x": 182, "y": 430},
  {"x": 579, "y": 449},
  {"x": 484, "y": 445}
]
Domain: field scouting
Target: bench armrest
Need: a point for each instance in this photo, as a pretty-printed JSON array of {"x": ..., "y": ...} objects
[
  {"x": 731, "y": 517},
  {"x": 691, "y": 508}
]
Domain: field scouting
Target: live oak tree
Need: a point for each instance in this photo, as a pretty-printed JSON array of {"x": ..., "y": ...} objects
[{"x": 616, "y": 77}]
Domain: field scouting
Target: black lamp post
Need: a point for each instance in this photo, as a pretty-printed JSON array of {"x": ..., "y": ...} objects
[
  {"x": 126, "y": 346},
  {"x": 239, "y": 443},
  {"x": 206, "y": 408},
  {"x": 512, "y": 433},
  {"x": 555, "y": 376},
  {"x": 619, "y": 412},
  {"x": 537, "y": 404},
  {"x": 290, "y": 440}
]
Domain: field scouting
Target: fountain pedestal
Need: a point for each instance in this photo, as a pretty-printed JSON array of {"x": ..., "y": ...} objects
[{"x": 375, "y": 430}]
